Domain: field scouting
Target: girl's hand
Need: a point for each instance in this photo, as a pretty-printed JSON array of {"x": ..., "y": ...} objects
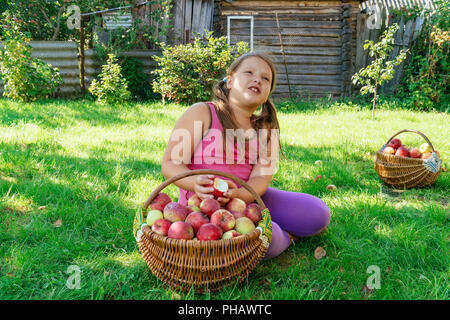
[
  {"x": 230, "y": 194},
  {"x": 201, "y": 186}
]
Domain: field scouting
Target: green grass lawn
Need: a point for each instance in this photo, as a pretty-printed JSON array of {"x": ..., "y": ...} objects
[{"x": 73, "y": 173}]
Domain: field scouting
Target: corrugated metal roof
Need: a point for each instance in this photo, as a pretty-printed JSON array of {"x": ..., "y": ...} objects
[{"x": 397, "y": 4}]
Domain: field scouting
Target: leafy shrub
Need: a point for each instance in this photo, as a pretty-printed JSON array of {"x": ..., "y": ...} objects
[
  {"x": 425, "y": 84},
  {"x": 138, "y": 81},
  {"x": 186, "y": 73},
  {"x": 25, "y": 78},
  {"x": 111, "y": 87}
]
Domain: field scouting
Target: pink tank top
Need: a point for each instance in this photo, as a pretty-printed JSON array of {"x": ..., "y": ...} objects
[{"x": 211, "y": 154}]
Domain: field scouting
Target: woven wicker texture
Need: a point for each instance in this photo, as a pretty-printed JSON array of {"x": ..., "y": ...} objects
[
  {"x": 405, "y": 173},
  {"x": 202, "y": 265}
]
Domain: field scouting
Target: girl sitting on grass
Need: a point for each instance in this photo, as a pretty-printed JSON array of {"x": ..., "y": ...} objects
[{"x": 205, "y": 125}]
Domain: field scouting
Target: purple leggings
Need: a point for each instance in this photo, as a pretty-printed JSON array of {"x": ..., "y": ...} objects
[{"x": 300, "y": 214}]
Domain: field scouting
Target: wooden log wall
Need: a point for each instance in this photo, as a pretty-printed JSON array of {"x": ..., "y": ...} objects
[{"x": 318, "y": 37}]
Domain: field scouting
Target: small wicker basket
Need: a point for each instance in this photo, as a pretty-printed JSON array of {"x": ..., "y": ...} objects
[
  {"x": 202, "y": 265},
  {"x": 405, "y": 173}
]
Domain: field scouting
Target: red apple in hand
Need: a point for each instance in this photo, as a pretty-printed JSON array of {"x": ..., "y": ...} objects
[
  {"x": 161, "y": 226},
  {"x": 175, "y": 211},
  {"x": 402, "y": 152},
  {"x": 196, "y": 220},
  {"x": 236, "y": 205},
  {"x": 208, "y": 206},
  {"x": 181, "y": 230},
  {"x": 415, "y": 153},
  {"x": 160, "y": 201},
  {"x": 224, "y": 219},
  {"x": 220, "y": 187},
  {"x": 395, "y": 143},
  {"x": 253, "y": 212},
  {"x": 209, "y": 231}
]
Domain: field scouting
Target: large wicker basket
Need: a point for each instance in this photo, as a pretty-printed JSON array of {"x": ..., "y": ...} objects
[
  {"x": 405, "y": 173},
  {"x": 202, "y": 265}
]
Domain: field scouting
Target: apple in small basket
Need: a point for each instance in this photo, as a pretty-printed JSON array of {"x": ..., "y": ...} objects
[
  {"x": 224, "y": 219},
  {"x": 402, "y": 152},
  {"x": 209, "y": 231},
  {"x": 161, "y": 226},
  {"x": 395, "y": 143},
  {"x": 175, "y": 211},
  {"x": 424, "y": 148},
  {"x": 196, "y": 220},
  {"x": 415, "y": 153},
  {"x": 181, "y": 230},
  {"x": 389, "y": 150},
  {"x": 160, "y": 201}
]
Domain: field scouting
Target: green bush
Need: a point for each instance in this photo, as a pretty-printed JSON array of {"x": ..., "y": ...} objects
[
  {"x": 187, "y": 73},
  {"x": 138, "y": 81},
  {"x": 25, "y": 78},
  {"x": 111, "y": 88},
  {"x": 425, "y": 84}
]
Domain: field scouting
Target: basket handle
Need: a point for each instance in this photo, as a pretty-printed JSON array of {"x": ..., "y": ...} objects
[
  {"x": 415, "y": 131},
  {"x": 199, "y": 172}
]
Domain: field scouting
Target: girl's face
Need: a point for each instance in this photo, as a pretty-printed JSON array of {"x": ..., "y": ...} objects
[{"x": 249, "y": 85}]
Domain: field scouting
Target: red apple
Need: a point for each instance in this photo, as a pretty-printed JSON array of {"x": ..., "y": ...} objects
[
  {"x": 415, "y": 153},
  {"x": 160, "y": 201},
  {"x": 244, "y": 225},
  {"x": 220, "y": 187},
  {"x": 253, "y": 212},
  {"x": 181, "y": 230},
  {"x": 209, "y": 231},
  {"x": 208, "y": 206},
  {"x": 194, "y": 201},
  {"x": 196, "y": 220},
  {"x": 224, "y": 219},
  {"x": 230, "y": 234},
  {"x": 194, "y": 208},
  {"x": 395, "y": 143},
  {"x": 402, "y": 152},
  {"x": 161, "y": 226},
  {"x": 236, "y": 205},
  {"x": 175, "y": 211},
  {"x": 237, "y": 214},
  {"x": 389, "y": 150}
]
